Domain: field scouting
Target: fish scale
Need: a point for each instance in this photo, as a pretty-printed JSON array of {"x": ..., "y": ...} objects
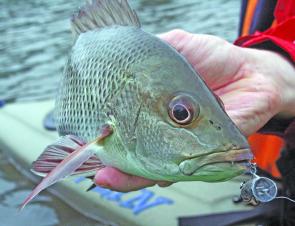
[{"x": 109, "y": 76}]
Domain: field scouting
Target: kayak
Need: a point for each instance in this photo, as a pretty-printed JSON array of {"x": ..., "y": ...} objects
[{"x": 24, "y": 137}]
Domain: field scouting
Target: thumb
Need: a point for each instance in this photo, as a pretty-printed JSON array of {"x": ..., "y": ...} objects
[{"x": 177, "y": 38}]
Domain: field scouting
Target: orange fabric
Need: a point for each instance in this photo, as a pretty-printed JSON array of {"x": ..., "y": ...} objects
[
  {"x": 266, "y": 149},
  {"x": 274, "y": 23},
  {"x": 248, "y": 16}
]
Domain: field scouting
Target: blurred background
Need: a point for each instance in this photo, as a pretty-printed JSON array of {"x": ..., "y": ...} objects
[{"x": 35, "y": 38}]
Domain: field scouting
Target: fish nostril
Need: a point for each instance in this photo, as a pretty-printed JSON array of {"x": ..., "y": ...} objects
[{"x": 217, "y": 127}]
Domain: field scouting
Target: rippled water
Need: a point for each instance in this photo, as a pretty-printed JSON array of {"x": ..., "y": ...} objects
[
  {"x": 34, "y": 42},
  {"x": 47, "y": 211},
  {"x": 35, "y": 36}
]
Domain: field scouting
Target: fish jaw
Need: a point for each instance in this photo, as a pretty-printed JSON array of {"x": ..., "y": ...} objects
[{"x": 236, "y": 161}]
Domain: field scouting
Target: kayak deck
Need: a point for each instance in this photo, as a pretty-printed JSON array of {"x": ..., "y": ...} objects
[{"x": 23, "y": 137}]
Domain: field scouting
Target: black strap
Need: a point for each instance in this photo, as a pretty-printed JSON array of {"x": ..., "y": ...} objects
[
  {"x": 276, "y": 126},
  {"x": 286, "y": 165}
]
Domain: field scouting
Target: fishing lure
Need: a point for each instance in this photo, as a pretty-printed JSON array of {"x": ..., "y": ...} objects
[{"x": 259, "y": 189}]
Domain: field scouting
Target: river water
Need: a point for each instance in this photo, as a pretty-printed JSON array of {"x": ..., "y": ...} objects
[{"x": 34, "y": 41}]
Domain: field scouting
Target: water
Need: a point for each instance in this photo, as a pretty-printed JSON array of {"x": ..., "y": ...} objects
[
  {"x": 47, "y": 211},
  {"x": 34, "y": 41}
]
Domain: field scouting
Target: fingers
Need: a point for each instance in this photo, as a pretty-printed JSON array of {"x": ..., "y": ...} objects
[
  {"x": 215, "y": 60},
  {"x": 114, "y": 179},
  {"x": 164, "y": 183},
  {"x": 177, "y": 38},
  {"x": 250, "y": 108}
]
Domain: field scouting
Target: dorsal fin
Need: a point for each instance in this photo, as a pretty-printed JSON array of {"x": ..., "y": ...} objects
[{"x": 103, "y": 13}]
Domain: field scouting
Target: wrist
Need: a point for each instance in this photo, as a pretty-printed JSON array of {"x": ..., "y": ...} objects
[
  {"x": 281, "y": 75},
  {"x": 285, "y": 72}
]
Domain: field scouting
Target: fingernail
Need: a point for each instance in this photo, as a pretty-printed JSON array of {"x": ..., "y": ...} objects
[
  {"x": 103, "y": 185},
  {"x": 164, "y": 183}
]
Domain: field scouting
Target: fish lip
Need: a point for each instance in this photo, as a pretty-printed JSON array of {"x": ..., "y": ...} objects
[{"x": 236, "y": 156}]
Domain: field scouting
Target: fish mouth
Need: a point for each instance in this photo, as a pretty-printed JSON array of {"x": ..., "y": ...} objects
[{"x": 237, "y": 157}]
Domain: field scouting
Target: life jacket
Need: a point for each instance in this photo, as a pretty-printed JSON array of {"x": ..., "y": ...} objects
[{"x": 257, "y": 18}]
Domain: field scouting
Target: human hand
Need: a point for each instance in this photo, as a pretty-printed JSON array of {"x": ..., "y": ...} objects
[{"x": 254, "y": 85}]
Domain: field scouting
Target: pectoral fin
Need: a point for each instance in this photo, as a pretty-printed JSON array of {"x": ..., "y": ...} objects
[
  {"x": 55, "y": 153},
  {"x": 67, "y": 156}
]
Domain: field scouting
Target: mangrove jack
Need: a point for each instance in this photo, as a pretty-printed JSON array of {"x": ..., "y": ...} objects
[{"x": 129, "y": 100}]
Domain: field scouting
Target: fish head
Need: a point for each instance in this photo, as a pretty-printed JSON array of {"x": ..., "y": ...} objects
[{"x": 183, "y": 131}]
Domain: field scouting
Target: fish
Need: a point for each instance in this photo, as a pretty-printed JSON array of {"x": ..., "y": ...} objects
[{"x": 129, "y": 100}]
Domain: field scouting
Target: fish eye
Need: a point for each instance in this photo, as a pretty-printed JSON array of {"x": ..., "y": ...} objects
[{"x": 183, "y": 110}]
